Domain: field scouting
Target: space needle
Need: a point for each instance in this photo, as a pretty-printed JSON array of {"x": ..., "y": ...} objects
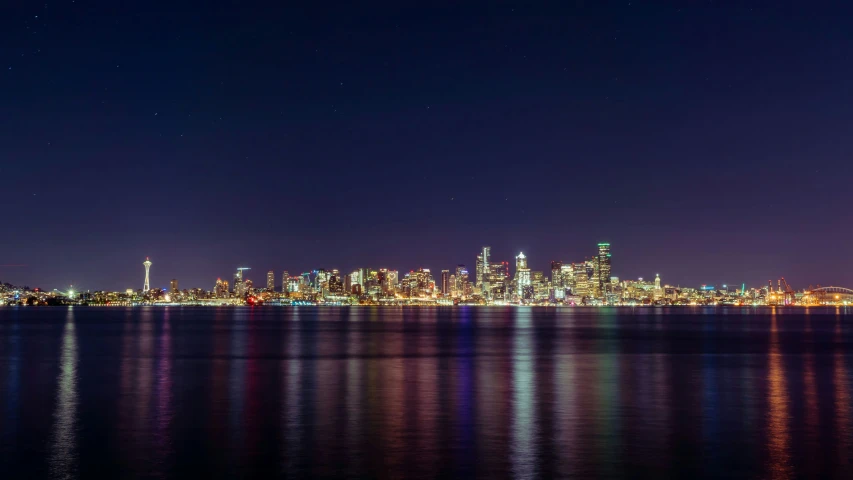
[{"x": 147, "y": 264}]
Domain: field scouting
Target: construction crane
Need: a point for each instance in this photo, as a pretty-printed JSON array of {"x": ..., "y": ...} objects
[{"x": 240, "y": 272}]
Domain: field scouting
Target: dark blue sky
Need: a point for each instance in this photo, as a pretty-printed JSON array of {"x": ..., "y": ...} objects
[{"x": 707, "y": 141}]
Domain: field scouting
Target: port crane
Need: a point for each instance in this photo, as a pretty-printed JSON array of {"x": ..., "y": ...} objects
[{"x": 780, "y": 296}]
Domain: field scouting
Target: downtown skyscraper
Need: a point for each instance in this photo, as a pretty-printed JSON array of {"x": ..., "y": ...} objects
[
  {"x": 603, "y": 268},
  {"x": 522, "y": 277},
  {"x": 482, "y": 270}
]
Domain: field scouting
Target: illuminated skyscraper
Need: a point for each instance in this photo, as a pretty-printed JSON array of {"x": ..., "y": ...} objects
[
  {"x": 240, "y": 287},
  {"x": 285, "y": 277},
  {"x": 498, "y": 280},
  {"x": 336, "y": 286},
  {"x": 221, "y": 288},
  {"x": 355, "y": 278},
  {"x": 567, "y": 275},
  {"x": 461, "y": 280},
  {"x": 592, "y": 277},
  {"x": 417, "y": 283},
  {"x": 391, "y": 280},
  {"x": 522, "y": 275},
  {"x": 539, "y": 284},
  {"x": 482, "y": 269},
  {"x": 294, "y": 284},
  {"x": 445, "y": 282},
  {"x": 557, "y": 274},
  {"x": 581, "y": 279},
  {"x": 173, "y": 285},
  {"x": 270, "y": 281},
  {"x": 520, "y": 261},
  {"x": 147, "y": 285},
  {"x": 603, "y": 267}
]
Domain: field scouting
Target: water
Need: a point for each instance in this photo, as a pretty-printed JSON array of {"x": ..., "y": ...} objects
[{"x": 425, "y": 393}]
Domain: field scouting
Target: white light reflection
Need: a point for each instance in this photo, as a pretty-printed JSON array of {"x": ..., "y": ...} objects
[
  {"x": 63, "y": 454},
  {"x": 523, "y": 448}
]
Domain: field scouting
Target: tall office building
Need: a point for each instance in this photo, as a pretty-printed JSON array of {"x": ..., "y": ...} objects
[
  {"x": 238, "y": 282},
  {"x": 355, "y": 278},
  {"x": 418, "y": 283},
  {"x": 240, "y": 288},
  {"x": 522, "y": 275},
  {"x": 270, "y": 281},
  {"x": 445, "y": 282},
  {"x": 336, "y": 285},
  {"x": 556, "y": 274},
  {"x": 592, "y": 277},
  {"x": 285, "y": 277},
  {"x": 567, "y": 275},
  {"x": 221, "y": 288},
  {"x": 482, "y": 269},
  {"x": 520, "y": 261},
  {"x": 364, "y": 277},
  {"x": 498, "y": 279},
  {"x": 658, "y": 291},
  {"x": 603, "y": 264},
  {"x": 461, "y": 280},
  {"x": 321, "y": 280},
  {"x": 391, "y": 280},
  {"x": 581, "y": 279},
  {"x": 173, "y": 285},
  {"x": 540, "y": 285},
  {"x": 294, "y": 284}
]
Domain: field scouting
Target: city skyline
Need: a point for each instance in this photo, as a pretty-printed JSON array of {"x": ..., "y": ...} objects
[
  {"x": 407, "y": 137},
  {"x": 593, "y": 272},
  {"x": 477, "y": 239}
]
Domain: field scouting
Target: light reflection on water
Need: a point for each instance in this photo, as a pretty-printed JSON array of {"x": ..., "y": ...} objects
[
  {"x": 523, "y": 394},
  {"x": 779, "y": 445},
  {"x": 425, "y": 393},
  {"x": 63, "y": 455}
]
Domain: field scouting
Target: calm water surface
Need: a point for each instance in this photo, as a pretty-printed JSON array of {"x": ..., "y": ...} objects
[{"x": 425, "y": 393}]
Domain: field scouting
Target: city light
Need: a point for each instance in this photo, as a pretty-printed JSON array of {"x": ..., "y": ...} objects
[{"x": 584, "y": 282}]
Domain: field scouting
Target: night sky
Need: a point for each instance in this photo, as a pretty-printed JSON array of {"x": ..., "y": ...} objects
[{"x": 707, "y": 141}]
